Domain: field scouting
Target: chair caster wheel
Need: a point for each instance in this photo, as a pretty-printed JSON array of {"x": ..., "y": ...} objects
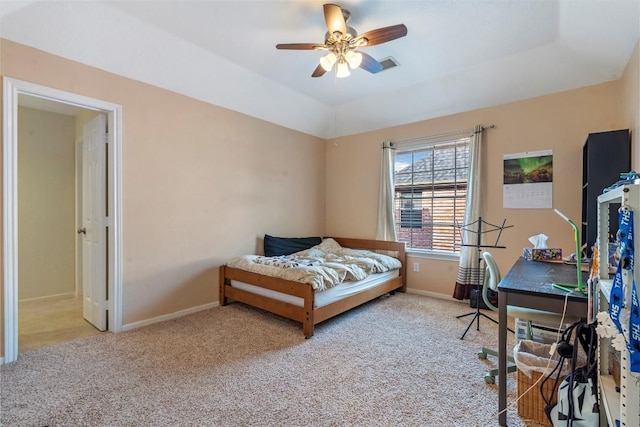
[
  {"x": 489, "y": 379},
  {"x": 482, "y": 355}
]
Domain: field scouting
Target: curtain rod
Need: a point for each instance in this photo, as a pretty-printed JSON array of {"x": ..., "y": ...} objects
[{"x": 443, "y": 135}]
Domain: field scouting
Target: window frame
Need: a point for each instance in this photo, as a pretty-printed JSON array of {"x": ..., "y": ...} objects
[{"x": 454, "y": 184}]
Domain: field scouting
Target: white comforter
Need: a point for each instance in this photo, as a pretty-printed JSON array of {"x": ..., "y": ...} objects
[{"x": 323, "y": 266}]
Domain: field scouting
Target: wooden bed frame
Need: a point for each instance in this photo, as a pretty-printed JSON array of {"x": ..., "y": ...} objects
[{"x": 308, "y": 315}]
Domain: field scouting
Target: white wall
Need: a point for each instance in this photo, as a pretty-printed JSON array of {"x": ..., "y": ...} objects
[{"x": 630, "y": 103}]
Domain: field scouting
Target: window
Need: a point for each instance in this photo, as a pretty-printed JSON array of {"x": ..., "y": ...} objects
[{"x": 431, "y": 193}]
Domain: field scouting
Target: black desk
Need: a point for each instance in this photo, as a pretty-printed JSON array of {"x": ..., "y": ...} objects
[{"x": 529, "y": 284}]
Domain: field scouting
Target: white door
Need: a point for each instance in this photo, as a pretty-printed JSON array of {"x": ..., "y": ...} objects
[{"x": 93, "y": 224}]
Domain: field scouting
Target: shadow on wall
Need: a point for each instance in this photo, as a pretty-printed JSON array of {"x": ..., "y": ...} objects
[{"x": 169, "y": 292}]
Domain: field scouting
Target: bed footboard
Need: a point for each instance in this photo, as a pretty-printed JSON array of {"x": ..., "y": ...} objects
[{"x": 304, "y": 314}]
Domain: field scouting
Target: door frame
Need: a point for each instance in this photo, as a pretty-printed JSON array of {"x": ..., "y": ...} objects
[{"x": 11, "y": 89}]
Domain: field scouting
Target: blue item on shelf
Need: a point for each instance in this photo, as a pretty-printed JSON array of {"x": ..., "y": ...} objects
[{"x": 625, "y": 178}]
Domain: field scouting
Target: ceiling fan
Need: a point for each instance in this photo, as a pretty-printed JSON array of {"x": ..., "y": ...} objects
[{"x": 343, "y": 41}]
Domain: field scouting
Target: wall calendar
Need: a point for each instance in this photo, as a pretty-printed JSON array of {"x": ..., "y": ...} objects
[{"x": 528, "y": 180}]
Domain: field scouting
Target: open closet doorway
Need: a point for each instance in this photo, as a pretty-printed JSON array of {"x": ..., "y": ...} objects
[{"x": 62, "y": 238}]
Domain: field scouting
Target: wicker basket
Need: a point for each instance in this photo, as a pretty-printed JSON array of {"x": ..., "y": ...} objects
[{"x": 531, "y": 405}]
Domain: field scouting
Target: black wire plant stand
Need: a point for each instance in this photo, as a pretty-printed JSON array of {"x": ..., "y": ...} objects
[{"x": 479, "y": 228}]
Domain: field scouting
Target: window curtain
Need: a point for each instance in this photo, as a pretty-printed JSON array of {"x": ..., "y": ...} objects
[
  {"x": 386, "y": 217},
  {"x": 469, "y": 274}
]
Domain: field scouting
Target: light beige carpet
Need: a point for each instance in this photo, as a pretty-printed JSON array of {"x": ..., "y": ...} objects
[{"x": 397, "y": 361}]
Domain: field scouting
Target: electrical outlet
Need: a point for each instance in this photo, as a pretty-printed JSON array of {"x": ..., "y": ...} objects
[{"x": 416, "y": 266}]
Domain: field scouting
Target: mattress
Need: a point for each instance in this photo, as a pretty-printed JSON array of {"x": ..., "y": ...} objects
[{"x": 325, "y": 297}]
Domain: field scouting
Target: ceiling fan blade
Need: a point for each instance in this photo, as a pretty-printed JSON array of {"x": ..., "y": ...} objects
[
  {"x": 300, "y": 46},
  {"x": 318, "y": 72},
  {"x": 370, "y": 64},
  {"x": 334, "y": 19},
  {"x": 381, "y": 35}
]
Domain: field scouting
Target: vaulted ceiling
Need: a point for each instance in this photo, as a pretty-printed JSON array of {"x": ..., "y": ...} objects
[{"x": 458, "y": 55}]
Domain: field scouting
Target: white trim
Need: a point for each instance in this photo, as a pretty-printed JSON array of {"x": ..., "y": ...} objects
[
  {"x": 13, "y": 87},
  {"x": 10, "y": 223},
  {"x": 430, "y": 254},
  {"x": 115, "y": 272},
  {"x": 170, "y": 316},
  {"x": 50, "y": 297}
]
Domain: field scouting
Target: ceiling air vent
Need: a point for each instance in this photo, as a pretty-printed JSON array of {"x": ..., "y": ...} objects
[{"x": 389, "y": 62}]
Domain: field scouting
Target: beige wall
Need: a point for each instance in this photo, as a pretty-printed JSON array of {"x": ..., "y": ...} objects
[
  {"x": 46, "y": 204},
  {"x": 559, "y": 122},
  {"x": 630, "y": 103},
  {"x": 200, "y": 183}
]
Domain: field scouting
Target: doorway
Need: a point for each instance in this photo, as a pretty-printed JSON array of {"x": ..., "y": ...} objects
[
  {"x": 14, "y": 90},
  {"x": 50, "y": 183}
]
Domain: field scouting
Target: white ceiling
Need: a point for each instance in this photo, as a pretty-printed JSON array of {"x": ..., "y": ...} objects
[{"x": 459, "y": 55}]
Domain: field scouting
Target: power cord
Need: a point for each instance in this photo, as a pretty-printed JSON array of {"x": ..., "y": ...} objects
[{"x": 552, "y": 351}]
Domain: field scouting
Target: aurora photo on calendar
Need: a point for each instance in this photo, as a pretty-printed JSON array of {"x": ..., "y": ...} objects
[{"x": 525, "y": 170}]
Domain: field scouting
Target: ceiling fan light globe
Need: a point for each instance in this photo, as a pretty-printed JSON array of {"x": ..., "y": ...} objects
[
  {"x": 328, "y": 60},
  {"x": 342, "y": 70},
  {"x": 354, "y": 59}
]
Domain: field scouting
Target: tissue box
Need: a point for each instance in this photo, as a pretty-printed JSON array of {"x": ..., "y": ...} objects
[{"x": 550, "y": 254}]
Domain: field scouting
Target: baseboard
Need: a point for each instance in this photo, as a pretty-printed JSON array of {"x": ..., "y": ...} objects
[
  {"x": 1, "y": 360},
  {"x": 435, "y": 295},
  {"x": 170, "y": 316},
  {"x": 164, "y": 317},
  {"x": 51, "y": 297}
]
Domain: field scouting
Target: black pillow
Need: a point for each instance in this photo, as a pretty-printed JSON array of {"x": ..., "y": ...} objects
[{"x": 277, "y": 246}]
